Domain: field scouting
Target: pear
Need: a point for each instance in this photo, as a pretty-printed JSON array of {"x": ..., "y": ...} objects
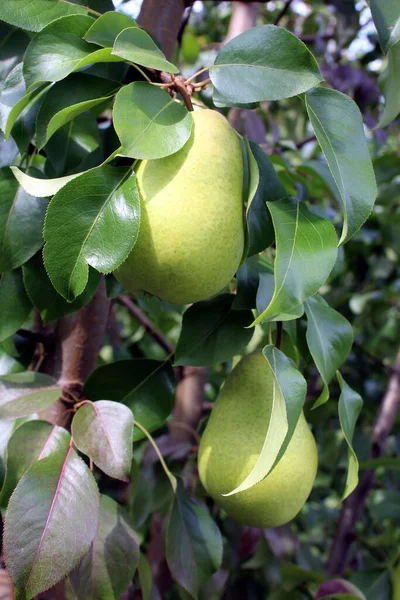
[
  {"x": 232, "y": 442},
  {"x": 191, "y": 236}
]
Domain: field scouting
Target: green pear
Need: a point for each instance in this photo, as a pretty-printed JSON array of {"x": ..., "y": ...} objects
[
  {"x": 191, "y": 236},
  {"x": 232, "y": 442}
]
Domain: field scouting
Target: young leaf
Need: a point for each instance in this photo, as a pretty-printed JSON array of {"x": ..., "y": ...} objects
[
  {"x": 21, "y": 223},
  {"x": 41, "y": 188},
  {"x": 350, "y": 404},
  {"x": 145, "y": 386},
  {"x": 338, "y": 125},
  {"x": 29, "y": 443},
  {"x": 329, "y": 338},
  {"x": 44, "y": 297},
  {"x": 273, "y": 62},
  {"x": 212, "y": 332},
  {"x": 276, "y": 429},
  {"x": 305, "y": 255},
  {"x": 386, "y": 16},
  {"x": 136, "y": 46},
  {"x": 193, "y": 543},
  {"x": 15, "y": 305},
  {"x": 103, "y": 431},
  {"x": 109, "y": 566},
  {"x": 149, "y": 123},
  {"x": 391, "y": 86},
  {"x": 106, "y": 28},
  {"x": 100, "y": 232},
  {"x": 23, "y": 394},
  {"x": 36, "y": 14},
  {"x": 51, "y": 521},
  {"x": 67, "y": 99}
]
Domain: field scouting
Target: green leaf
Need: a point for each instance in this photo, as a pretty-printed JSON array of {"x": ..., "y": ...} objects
[
  {"x": 100, "y": 232},
  {"x": 36, "y": 14},
  {"x": 14, "y": 304},
  {"x": 21, "y": 223},
  {"x": 261, "y": 231},
  {"x": 350, "y": 404},
  {"x": 145, "y": 386},
  {"x": 106, "y": 28},
  {"x": 7, "y": 427},
  {"x": 305, "y": 255},
  {"x": 51, "y": 521},
  {"x": 338, "y": 125},
  {"x": 23, "y": 394},
  {"x": 264, "y": 63},
  {"x": 41, "y": 188},
  {"x": 29, "y": 443},
  {"x": 44, "y": 297},
  {"x": 108, "y": 568},
  {"x": 67, "y": 99},
  {"x": 212, "y": 332},
  {"x": 329, "y": 338},
  {"x": 386, "y": 16},
  {"x": 135, "y": 45},
  {"x": 276, "y": 429},
  {"x": 147, "y": 587},
  {"x": 103, "y": 431},
  {"x": 149, "y": 123},
  {"x": 13, "y": 46},
  {"x": 193, "y": 543},
  {"x": 248, "y": 279},
  {"x": 265, "y": 293},
  {"x": 139, "y": 502},
  {"x": 391, "y": 85}
]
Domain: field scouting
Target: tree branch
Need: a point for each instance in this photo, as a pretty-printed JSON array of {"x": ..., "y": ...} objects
[
  {"x": 283, "y": 12},
  {"x": 354, "y": 504}
]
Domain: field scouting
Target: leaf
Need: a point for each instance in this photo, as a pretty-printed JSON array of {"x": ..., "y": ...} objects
[
  {"x": 14, "y": 304},
  {"x": 147, "y": 587},
  {"x": 386, "y": 16},
  {"x": 67, "y": 99},
  {"x": 248, "y": 279},
  {"x": 269, "y": 189},
  {"x": 329, "y": 338},
  {"x": 136, "y": 46},
  {"x": 22, "y": 394},
  {"x": 270, "y": 62},
  {"x": 51, "y": 521},
  {"x": 391, "y": 87},
  {"x": 278, "y": 426},
  {"x": 42, "y": 188},
  {"x": 14, "y": 43},
  {"x": 100, "y": 232},
  {"x": 29, "y": 443},
  {"x": 108, "y": 568},
  {"x": 193, "y": 543},
  {"x": 350, "y": 404},
  {"x": 36, "y": 14},
  {"x": 44, "y": 297},
  {"x": 265, "y": 293},
  {"x": 103, "y": 431},
  {"x": 145, "y": 386},
  {"x": 149, "y": 123},
  {"x": 139, "y": 502},
  {"x": 106, "y": 28},
  {"x": 21, "y": 223},
  {"x": 212, "y": 332},
  {"x": 338, "y": 125},
  {"x": 305, "y": 255},
  {"x": 7, "y": 427}
]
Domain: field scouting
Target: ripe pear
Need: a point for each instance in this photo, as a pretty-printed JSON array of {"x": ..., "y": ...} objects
[
  {"x": 191, "y": 236},
  {"x": 232, "y": 442}
]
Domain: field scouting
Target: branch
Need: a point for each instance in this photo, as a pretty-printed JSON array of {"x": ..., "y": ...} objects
[
  {"x": 283, "y": 12},
  {"x": 354, "y": 504}
]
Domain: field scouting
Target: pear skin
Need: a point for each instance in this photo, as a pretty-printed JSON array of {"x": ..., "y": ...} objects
[
  {"x": 191, "y": 236},
  {"x": 232, "y": 442}
]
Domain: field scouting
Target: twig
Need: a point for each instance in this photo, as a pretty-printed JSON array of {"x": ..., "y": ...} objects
[
  {"x": 354, "y": 504},
  {"x": 144, "y": 320},
  {"x": 283, "y": 11},
  {"x": 180, "y": 85}
]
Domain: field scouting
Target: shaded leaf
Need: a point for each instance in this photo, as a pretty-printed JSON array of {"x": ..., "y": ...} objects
[
  {"x": 338, "y": 125},
  {"x": 106, "y": 28},
  {"x": 42, "y": 188},
  {"x": 15, "y": 305},
  {"x": 350, "y": 404},
  {"x": 135, "y": 45},
  {"x": 14, "y": 43},
  {"x": 386, "y": 15},
  {"x": 23, "y": 394},
  {"x": 193, "y": 543},
  {"x": 51, "y": 521},
  {"x": 36, "y": 14},
  {"x": 100, "y": 232},
  {"x": 272, "y": 62},
  {"x": 109, "y": 566},
  {"x": 147, "y": 587},
  {"x": 149, "y": 123},
  {"x": 391, "y": 87},
  {"x": 139, "y": 502},
  {"x": 305, "y": 255},
  {"x": 329, "y": 338},
  {"x": 212, "y": 332}
]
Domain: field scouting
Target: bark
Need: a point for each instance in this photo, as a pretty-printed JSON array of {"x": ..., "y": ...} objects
[
  {"x": 189, "y": 400},
  {"x": 244, "y": 17}
]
